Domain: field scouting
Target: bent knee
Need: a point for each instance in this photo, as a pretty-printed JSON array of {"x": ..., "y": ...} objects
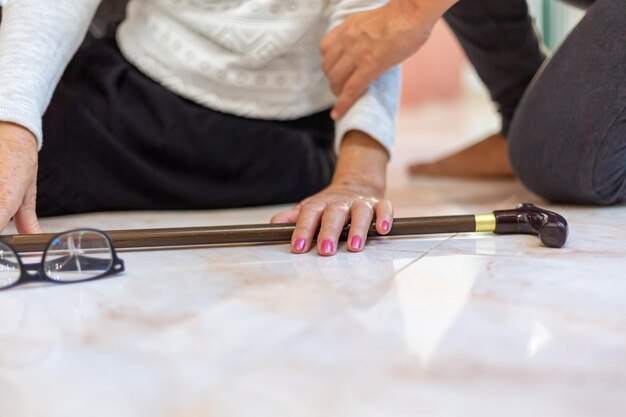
[{"x": 579, "y": 173}]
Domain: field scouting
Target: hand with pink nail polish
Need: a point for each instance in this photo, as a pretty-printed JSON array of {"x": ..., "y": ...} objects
[{"x": 354, "y": 196}]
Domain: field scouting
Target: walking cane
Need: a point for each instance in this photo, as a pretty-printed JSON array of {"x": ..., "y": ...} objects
[{"x": 551, "y": 228}]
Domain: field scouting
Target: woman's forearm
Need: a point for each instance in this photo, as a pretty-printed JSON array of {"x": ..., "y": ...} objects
[{"x": 37, "y": 40}]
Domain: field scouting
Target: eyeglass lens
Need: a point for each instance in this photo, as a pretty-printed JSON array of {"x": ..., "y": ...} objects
[
  {"x": 78, "y": 256},
  {"x": 10, "y": 271}
]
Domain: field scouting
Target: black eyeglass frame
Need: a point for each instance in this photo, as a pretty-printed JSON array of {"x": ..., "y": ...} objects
[{"x": 35, "y": 272}]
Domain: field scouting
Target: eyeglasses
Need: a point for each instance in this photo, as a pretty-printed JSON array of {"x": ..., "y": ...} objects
[{"x": 74, "y": 256}]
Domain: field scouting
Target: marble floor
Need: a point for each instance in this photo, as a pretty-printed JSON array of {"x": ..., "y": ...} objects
[{"x": 440, "y": 325}]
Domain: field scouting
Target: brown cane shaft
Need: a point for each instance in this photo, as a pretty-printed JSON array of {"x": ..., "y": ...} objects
[{"x": 255, "y": 233}]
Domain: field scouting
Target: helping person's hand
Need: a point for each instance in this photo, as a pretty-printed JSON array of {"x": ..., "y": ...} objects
[
  {"x": 367, "y": 44},
  {"x": 18, "y": 178},
  {"x": 355, "y": 196}
]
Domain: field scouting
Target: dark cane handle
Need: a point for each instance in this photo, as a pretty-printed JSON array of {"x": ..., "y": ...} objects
[{"x": 526, "y": 218}]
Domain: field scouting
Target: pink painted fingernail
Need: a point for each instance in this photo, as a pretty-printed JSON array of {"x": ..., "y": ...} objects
[
  {"x": 333, "y": 115},
  {"x": 298, "y": 245},
  {"x": 356, "y": 242},
  {"x": 385, "y": 225},
  {"x": 327, "y": 247}
]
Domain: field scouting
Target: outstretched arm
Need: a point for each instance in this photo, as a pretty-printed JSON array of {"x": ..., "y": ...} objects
[
  {"x": 364, "y": 139},
  {"x": 367, "y": 44},
  {"x": 37, "y": 40}
]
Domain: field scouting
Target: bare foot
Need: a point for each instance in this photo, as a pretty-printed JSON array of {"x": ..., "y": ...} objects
[{"x": 487, "y": 158}]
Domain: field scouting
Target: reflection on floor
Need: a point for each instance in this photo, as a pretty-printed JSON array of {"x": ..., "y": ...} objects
[{"x": 441, "y": 325}]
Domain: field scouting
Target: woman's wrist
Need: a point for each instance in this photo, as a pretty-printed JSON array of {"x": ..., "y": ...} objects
[
  {"x": 11, "y": 132},
  {"x": 362, "y": 161}
]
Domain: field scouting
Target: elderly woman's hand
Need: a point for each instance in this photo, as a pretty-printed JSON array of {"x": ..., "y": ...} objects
[
  {"x": 18, "y": 178},
  {"x": 367, "y": 44},
  {"x": 354, "y": 196}
]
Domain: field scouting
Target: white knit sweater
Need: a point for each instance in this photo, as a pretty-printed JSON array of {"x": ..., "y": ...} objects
[{"x": 252, "y": 58}]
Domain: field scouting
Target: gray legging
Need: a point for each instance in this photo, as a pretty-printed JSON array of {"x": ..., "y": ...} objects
[{"x": 565, "y": 118}]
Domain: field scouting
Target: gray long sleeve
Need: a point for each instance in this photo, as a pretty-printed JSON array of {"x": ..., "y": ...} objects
[{"x": 37, "y": 40}]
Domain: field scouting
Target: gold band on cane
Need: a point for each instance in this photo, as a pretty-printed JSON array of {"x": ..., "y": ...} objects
[{"x": 485, "y": 222}]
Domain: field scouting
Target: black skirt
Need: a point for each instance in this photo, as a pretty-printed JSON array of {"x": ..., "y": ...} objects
[{"x": 116, "y": 140}]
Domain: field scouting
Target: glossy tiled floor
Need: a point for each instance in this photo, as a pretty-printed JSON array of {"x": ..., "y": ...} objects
[{"x": 445, "y": 325}]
